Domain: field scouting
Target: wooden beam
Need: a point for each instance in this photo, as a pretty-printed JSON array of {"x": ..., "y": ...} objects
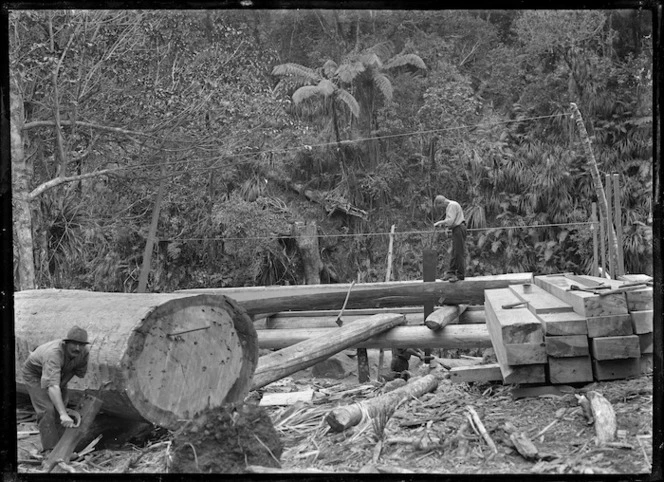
[
  {"x": 517, "y": 325},
  {"x": 566, "y": 323},
  {"x": 646, "y": 343},
  {"x": 615, "y": 347},
  {"x": 477, "y": 373},
  {"x": 584, "y": 303},
  {"x": 570, "y": 370},
  {"x": 612, "y": 325},
  {"x": 567, "y": 346},
  {"x": 452, "y": 336},
  {"x": 67, "y": 443},
  {"x": 539, "y": 300},
  {"x": 302, "y": 355},
  {"x": 642, "y": 321},
  {"x": 616, "y": 369}
]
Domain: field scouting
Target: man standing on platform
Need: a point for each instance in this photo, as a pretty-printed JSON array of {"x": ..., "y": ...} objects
[
  {"x": 46, "y": 373},
  {"x": 455, "y": 221}
]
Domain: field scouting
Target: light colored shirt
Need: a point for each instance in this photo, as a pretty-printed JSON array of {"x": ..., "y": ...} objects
[
  {"x": 48, "y": 365},
  {"x": 453, "y": 215}
]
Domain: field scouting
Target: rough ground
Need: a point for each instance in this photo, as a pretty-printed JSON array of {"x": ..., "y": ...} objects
[{"x": 422, "y": 436}]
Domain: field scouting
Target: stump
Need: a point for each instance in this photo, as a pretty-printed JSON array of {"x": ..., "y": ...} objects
[
  {"x": 160, "y": 358},
  {"x": 226, "y": 440}
]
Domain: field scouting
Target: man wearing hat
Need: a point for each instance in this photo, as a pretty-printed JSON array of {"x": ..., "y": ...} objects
[
  {"x": 46, "y": 373},
  {"x": 455, "y": 221}
]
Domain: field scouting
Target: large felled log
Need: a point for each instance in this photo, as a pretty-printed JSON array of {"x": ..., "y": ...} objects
[
  {"x": 155, "y": 357},
  {"x": 302, "y": 355},
  {"x": 342, "y": 418},
  {"x": 272, "y": 299},
  {"x": 453, "y": 336}
]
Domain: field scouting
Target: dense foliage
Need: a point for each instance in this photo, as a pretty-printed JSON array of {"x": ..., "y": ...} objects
[{"x": 382, "y": 110}]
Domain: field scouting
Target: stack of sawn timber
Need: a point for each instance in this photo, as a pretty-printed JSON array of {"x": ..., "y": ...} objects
[{"x": 574, "y": 335}]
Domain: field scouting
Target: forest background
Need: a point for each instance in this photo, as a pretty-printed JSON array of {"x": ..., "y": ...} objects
[{"x": 163, "y": 150}]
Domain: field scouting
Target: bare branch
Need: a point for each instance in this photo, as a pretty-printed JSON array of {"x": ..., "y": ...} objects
[
  {"x": 63, "y": 180},
  {"x": 117, "y": 130}
]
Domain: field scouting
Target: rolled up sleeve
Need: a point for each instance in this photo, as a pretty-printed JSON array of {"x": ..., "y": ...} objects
[{"x": 51, "y": 372}]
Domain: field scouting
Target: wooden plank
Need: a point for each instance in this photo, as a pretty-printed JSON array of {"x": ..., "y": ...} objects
[
  {"x": 584, "y": 303},
  {"x": 567, "y": 346},
  {"x": 615, "y": 347},
  {"x": 248, "y": 293},
  {"x": 613, "y": 325},
  {"x": 570, "y": 370},
  {"x": 302, "y": 355},
  {"x": 616, "y": 369},
  {"x": 508, "y": 328},
  {"x": 477, "y": 373},
  {"x": 515, "y": 325},
  {"x": 539, "y": 300},
  {"x": 568, "y": 323},
  {"x": 288, "y": 398},
  {"x": 452, "y": 336},
  {"x": 525, "y": 353},
  {"x": 646, "y": 342},
  {"x": 642, "y": 321},
  {"x": 635, "y": 278}
]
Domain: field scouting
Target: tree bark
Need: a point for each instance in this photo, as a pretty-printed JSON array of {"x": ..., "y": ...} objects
[
  {"x": 597, "y": 181},
  {"x": 306, "y": 237},
  {"x": 155, "y": 357},
  {"x": 21, "y": 175}
]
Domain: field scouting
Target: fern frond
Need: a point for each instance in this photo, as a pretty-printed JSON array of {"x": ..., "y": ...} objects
[
  {"x": 296, "y": 70},
  {"x": 326, "y": 88},
  {"x": 371, "y": 60},
  {"x": 349, "y": 100},
  {"x": 383, "y": 84},
  {"x": 347, "y": 72},
  {"x": 406, "y": 59},
  {"x": 303, "y": 93},
  {"x": 383, "y": 49}
]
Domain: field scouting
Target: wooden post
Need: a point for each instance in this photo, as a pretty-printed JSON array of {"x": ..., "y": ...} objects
[
  {"x": 593, "y": 228},
  {"x": 429, "y": 265},
  {"x": 67, "y": 443},
  {"x": 617, "y": 216},
  {"x": 609, "y": 226},
  {"x": 602, "y": 246},
  {"x": 388, "y": 276}
]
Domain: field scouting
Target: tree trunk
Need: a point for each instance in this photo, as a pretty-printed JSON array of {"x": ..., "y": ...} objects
[
  {"x": 302, "y": 355},
  {"x": 155, "y": 357},
  {"x": 462, "y": 292},
  {"x": 152, "y": 233},
  {"x": 306, "y": 237},
  {"x": 597, "y": 181},
  {"x": 342, "y": 418},
  {"x": 22, "y": 218}
]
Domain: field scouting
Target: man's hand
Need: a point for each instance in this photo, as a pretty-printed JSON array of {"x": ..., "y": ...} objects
[
  {"x": 66, "y": 421},
  {"x": 75, "y": 416},
  {"x": 437, "y": 224}
]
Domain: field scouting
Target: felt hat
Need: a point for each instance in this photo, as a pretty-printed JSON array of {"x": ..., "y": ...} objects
[{"x": 78, "y": 335}]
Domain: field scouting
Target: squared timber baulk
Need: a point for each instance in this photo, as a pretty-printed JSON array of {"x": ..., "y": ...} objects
[
  {"x": 583, "y": 302},
  {"x": 516, "y": 335}
]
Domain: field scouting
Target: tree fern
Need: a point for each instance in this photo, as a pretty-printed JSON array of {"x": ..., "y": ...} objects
[
  {"x": 406, "y": 59},
  {"x": 296, "y": 70},
  {"x": 348, "y": 71},
  {"x": 384, "y": 85},
  {"x": 349, "y": 100}
]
